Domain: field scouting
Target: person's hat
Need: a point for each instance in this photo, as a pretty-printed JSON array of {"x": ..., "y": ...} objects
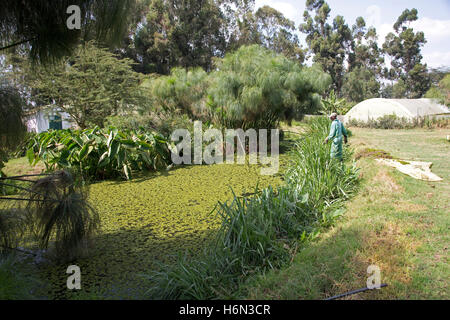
[{"x": 333, "y": 115}]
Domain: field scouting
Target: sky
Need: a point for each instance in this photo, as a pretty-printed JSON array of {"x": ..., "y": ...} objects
[{"x": 434, "y": 20}]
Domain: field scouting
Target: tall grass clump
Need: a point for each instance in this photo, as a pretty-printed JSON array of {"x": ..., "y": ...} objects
[
  {"x": 51, "y": 214},
  {"x": 264, "y": 231},
  {"x": 313, "y": 173}
]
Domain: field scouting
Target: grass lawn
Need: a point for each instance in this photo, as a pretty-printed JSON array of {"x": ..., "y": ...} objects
[
  {"x": 395, "y": 222},
  {"x": 21, "y": 166}
]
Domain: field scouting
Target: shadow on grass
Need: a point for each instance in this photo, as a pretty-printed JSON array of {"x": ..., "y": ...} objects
[
  {"x": 112, "y": 269},
  {"x": 320, "y": 270}
]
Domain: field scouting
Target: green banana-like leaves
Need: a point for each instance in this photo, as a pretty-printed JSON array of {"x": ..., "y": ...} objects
[{"x": 100, "y": 153}]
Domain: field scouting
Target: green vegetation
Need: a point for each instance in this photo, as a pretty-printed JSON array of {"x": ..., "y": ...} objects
[
  {"x": 15, "y": 284},
  {"x": 255, "y": 88},
  {"x": 404, "y": 47},
  {"x": 49, "y": 39},
  {"x": 89, "y": 85},
  {"x": 251, "y": 88},
  {"x": 262, "y": 232},
  {"x": 50, "y": 211},
  {"x": 333, "y": 104},
  {"x": 396, "y": 222},
  {"x": 182, "y": 91},
  {"x": 392, "y": 121},
  {"x": 137, "y": 70},
  {"x": 12, "y": 129},
  {"x": 174, "y": 35},
  {"x": 441, "y": 92},
  {"x": 100, "y": 154}
]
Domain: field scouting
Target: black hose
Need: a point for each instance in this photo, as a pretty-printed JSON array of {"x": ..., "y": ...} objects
[{"x": 353, "y": 292}]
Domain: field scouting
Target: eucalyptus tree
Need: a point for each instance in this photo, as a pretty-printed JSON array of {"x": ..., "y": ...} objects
[
  {"x": 330, "y": 43},
  {"x": 365, "y": 51},
  {"x": 365, "y": 64},
  {"x": 360, "y": 84},
  {"x": 404, "y": 47},
  {"x": 178, "y": 33},
  {"x": 277, "y": 33},
  {"x": 189, "y": 34}
]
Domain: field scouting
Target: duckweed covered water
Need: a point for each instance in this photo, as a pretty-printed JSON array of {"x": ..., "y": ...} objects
[{"x": 149, "y": 220}]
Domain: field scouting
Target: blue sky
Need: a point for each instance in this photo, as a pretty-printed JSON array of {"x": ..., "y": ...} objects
[{"x": 434, "y": 20}]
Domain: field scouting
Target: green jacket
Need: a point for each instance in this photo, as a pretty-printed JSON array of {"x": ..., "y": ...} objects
[{"x": 337, "y": 130}]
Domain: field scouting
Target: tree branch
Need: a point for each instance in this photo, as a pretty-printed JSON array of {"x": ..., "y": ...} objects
[{"x": 17, "y": 43}]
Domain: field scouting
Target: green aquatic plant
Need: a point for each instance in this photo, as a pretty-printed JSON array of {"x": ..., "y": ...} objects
[
  {"x": 100, "y": 153},
  {"x": 256, "y": 88}
]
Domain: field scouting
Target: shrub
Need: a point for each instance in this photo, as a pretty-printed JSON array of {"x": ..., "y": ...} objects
[
  {"x": 255, "y": 88},
  {"x": 251, "y": 88},
  {"x": 52, "y": 209},
  {"x": 392, "y": 121},
  {"x": 181, "y": 91},
  {"x": 131, "y": 122},
  {"x": 99, "y": 153}
]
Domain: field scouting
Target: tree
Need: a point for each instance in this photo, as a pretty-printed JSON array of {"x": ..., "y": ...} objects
[
  {"x": 12, "y": 128},
  {"x": 40, "y": 26},
  {"x": 39, "y": 29},
  {"x": 330, "y": 44},
  {"x": 365, "y": 51},
  {"x": 404, "y": 48},
  {"x": 360, "y": 84},
  {"x": 241, "y": 23},
  {"x": 90, "y": 85},
  {"x": 180, "y": 33},
  {"x": 277, "y": 33},
  {"x": 441, "y": 92},
  {"x": 193, "y": 33}
]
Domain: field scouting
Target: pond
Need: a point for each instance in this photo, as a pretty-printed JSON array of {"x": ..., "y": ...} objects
[{"x": 151, "y": 219}]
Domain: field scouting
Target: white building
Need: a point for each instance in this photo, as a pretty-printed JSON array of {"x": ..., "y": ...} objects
[
  {"x": 403, "y": 108},
  {"x": 46, "y": 119}
]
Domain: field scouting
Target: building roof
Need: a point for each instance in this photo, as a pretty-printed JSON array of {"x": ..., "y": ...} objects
[{"x": 409, "y": 108}]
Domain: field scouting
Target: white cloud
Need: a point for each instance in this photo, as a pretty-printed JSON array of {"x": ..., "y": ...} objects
[
  {"x": 373, "y": 14},
  {"x": 437, "y": 59},
  {"x": 436, "y": 52},
  {"x": 432, "y": 28}
]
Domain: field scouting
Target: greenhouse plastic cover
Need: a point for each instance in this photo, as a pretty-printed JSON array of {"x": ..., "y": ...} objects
[{"x": 408, "y": 108}]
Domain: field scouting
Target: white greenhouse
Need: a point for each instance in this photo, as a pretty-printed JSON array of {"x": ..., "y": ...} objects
[{"x": 372, "y": 109}]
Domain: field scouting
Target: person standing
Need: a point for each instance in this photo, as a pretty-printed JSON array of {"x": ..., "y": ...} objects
[{"x": 337, "y": 134}]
